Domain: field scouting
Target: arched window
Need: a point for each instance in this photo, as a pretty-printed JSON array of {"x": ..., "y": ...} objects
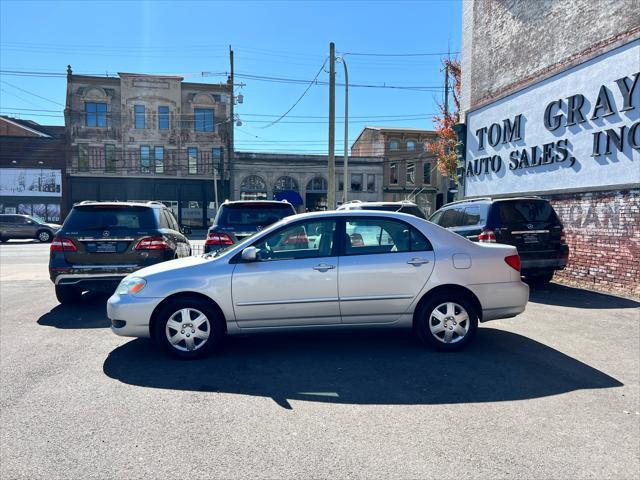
[
  {"x": 411, "y": 145},
  {"x": 394, "y": 145},
  {"x": 285, "y": 183},
  {"x": 253, "y": 187},
  {"x": 317, "y": 184}
]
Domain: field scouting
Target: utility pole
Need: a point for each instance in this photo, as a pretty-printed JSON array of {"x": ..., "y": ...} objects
[
  {"x": 345, "y": 157},
  {"x": 230, "y": 150},
  {"x": 446, "y": 89},
  {"x": 331, "y": 184}
]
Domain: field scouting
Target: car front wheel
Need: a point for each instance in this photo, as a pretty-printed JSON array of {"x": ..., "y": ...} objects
[
  {"x": 44, "y": 236},
  {"x": 189, "y": 328},
  {"x": 446, "y": 322}
]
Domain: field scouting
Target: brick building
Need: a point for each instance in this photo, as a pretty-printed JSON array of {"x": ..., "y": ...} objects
[
  {"x": 149, "y": 137},
  {"x": 32, "y": 169},
  {"x": 409, "y": 171},
  {"x": 554, "y": 111},
  {"x": 268, "y": 175}
]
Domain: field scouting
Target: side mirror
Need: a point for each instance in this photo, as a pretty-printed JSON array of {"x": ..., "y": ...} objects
[
  {"x": 185, "y": 229},
  {"x": 249, "y": 254}
]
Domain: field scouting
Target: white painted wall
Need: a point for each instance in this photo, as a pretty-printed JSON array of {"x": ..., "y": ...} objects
[{"x": 619, "y": 168}]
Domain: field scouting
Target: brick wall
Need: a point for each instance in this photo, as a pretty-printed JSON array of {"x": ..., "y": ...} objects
[{"x": 603, "y": 233}]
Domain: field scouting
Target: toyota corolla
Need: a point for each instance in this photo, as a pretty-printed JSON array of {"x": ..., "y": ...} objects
[{"x": 339, "y": 269}]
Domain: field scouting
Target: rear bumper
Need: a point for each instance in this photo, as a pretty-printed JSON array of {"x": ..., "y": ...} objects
[
  {"x": 501, "y": 300},
  {"x": 90, "y": 282},
  {"x": 556, "y": 262}
]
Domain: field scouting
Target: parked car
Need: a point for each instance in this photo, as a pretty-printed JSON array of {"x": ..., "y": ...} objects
[
  {"x": 528, "y": 223},
  {"x": 411, "y": 273},
  {"x": 26, "y": 226},
  {"x": 402, "y": 207},
  {"x": 102, "y": 242},
  {"x": 236, "y": 221}
]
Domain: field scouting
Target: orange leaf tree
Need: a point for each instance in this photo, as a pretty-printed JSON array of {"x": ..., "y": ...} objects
[{"x": 444, "y": 148}]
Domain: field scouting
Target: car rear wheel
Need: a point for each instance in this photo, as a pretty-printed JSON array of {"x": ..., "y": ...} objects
[
  {"x": 44, "y": 236},
  {"x": 68, "y": 294},
  {"x": 446, "y": 322},
  {"x": 189, "y": 328},
  {"x": 540, "y": 278}
]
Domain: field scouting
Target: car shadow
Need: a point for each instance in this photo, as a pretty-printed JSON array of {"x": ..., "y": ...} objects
[
  {"x": 566, "y": 296},
  {"x": 90, "y": 312},
  {"x": 363, "y": 367}
]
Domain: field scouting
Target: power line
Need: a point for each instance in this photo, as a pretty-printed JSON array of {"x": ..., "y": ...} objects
[{"x": 399, "y": 54}]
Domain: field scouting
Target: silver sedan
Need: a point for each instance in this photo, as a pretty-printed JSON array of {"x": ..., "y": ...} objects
[{"x": 340, "y": 269}]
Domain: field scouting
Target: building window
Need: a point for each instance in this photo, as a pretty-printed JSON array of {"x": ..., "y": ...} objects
[
  {"x": 144, "y": 158},
  {"x": 411, "y": 146},
  {"x": 138, "y": 111},
  {"x": 109, "y": 158},
  {"x": 340, "y": 182},
  {"x": 192, "y": 156},
  {"x": 393, "y": 173},
  {"x": 285, "y": 183},
  {"x": 158, "y": 155},
  {"x": 356, "y": 182},
  {"x": 204, "y": 119},
  {"x": 253, "y": 187},
  {"x": 95, "y": 114},
  {"x": 216, "y": 156},
  {"x": 83, "y": 157},
  {"x": 163, "y": 118},
  {"x": 317, "y": 185},
  {"x": 394, "y": 145},
  {"x": 426, "y": 172},
  {"x": 411, "y": 172},
  {"x": 371, "y": 182}
]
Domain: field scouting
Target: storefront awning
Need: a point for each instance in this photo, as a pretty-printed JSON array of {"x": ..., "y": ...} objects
[{"x": 290, "y": 196}]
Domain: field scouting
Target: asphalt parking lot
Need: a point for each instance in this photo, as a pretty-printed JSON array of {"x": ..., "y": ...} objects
[{"x": 553, "y": 393}]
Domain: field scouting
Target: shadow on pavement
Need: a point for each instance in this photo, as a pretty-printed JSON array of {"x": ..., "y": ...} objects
[
  {"x": 370, "y": 367},
  {"x": 565, "y": 296},
  {"x": 90, "y": 312}
]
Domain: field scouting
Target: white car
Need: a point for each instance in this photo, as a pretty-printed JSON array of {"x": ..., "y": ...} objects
[{"x": 401, "y": 272}]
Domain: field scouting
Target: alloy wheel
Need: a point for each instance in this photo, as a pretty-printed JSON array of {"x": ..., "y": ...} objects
[
  {"x": 188, "y": 329},
  {"x": 44, "y": 236},
  {"x": 449, "y": 322}
]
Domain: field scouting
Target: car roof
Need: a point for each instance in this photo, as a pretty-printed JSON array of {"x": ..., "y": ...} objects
[
  {"x": 254, "y": 202},
  {"x": 378, "y": 204},
  {"x": 89, "y": 203}
]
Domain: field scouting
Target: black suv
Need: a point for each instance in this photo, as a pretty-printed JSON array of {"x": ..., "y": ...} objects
[
  {"x": 102, "y": 242},
  {"x": 528, "y": 223},
  {"x": 236, "y": 221}
]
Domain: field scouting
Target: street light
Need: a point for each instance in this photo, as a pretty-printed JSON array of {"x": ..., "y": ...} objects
[{"x": 345, "y": 157}]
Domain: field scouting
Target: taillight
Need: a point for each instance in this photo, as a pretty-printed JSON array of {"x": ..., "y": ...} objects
[
  {"x": 153, "y": 243},
  {"x": 60, "y": 244},
  {"x": 487, "y": 236},
  {"x": 218, "y": 239},
  {"x": 563, "y": 237},
  {"x": 513, "y": 261}
]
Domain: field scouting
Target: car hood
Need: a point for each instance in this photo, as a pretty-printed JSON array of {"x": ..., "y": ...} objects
[
  {"x": 172, "y": 266},
  {"x": 53, "y": 226}
]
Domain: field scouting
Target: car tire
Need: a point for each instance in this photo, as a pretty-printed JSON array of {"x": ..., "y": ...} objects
[
  {"x": 446, "y": 321},
  {"x": 44, "y": 236},
  {"x": 180, "y": 330},
  {"x": 67, "y": 294},
  {"x": 540, "y": 279}
]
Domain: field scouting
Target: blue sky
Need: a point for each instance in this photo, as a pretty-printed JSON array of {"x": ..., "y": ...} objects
[{"x": 275, "y": 39}]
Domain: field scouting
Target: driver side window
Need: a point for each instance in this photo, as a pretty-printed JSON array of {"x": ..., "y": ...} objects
[{"x": 310, "y": 239}]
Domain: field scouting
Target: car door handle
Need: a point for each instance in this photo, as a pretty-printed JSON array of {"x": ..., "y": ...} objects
[
  {"x": 418, "y": 261},
  {"x": 323, "y": 267}
]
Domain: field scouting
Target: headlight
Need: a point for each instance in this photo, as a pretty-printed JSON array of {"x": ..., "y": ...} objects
[{"x": 131, "y": 285}]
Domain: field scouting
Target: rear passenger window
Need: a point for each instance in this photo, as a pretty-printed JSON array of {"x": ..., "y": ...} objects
[
  {"x": 451, "y": 218},
  {"x": 470, "y": 216},
  {"x": 382, "y": 236}
]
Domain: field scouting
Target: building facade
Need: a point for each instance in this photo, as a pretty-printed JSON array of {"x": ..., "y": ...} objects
[
  {"x": 302, "y": 179},
  {"x": 149, "y": 137},
  {"x": 554, "y": 111},
  {"x": 32, "y": 169},
  {"x": 409, "y": 170}
]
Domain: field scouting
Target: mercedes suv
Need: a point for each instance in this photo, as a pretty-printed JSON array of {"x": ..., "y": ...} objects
[
  {"x": 528, "y": 223},
  {"x": 102, "y": 242},
  {"x": 236, "y": 221}
]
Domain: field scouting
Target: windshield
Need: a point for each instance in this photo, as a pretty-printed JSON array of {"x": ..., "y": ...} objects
[
  {"x": 253, "y": 214},
  {"x": 97, "y": 217},
  {"x": 526, "y": 211}
]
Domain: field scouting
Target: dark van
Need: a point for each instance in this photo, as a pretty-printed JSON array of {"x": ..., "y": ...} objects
[{"x": 528, "y": 223}]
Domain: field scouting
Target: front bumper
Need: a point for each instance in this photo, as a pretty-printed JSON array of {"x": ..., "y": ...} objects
[{"x": 130, "y": 315}]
